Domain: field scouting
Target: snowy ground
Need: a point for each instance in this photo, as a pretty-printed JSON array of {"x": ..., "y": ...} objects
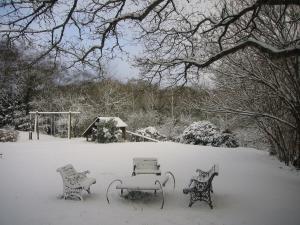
[{"x": 252, "y": 188}]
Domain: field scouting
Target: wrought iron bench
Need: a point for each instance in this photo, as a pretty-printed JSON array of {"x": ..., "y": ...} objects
[
  {"x": 74, "y": 182},
  {"x": 200, "y": 187},
  {"x": 145, "y": 166}
]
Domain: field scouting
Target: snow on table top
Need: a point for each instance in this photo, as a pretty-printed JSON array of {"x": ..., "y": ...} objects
[
  {"x": 252, "y": 188},
  {"x": 140, "y": 182},
  {"x": 138, "y": 187}
]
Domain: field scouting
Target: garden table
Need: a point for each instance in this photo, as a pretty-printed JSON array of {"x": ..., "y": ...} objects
[{"x": 142, "y": 183}]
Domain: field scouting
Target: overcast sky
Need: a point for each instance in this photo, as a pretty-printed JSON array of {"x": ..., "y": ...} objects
[{"x": 119, "y": 67}]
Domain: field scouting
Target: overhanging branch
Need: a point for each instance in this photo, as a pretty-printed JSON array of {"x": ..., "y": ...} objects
[
  {"x": 250, "y": 114},
  {"x": 265, "y": 48}
]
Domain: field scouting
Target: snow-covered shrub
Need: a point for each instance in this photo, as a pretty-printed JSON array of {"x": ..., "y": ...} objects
[
  {"x": 200, "y": 133},
  {"x": 106, "y": 132},
  {"x": 13, "y": 113},
  {"x": 151, "y": 132},
  {"x": 225, "y": 139},
  {"x": 21, "y": 121},
  {"x": 206, "y": 133},
  {"x": 8, "y": 135}
]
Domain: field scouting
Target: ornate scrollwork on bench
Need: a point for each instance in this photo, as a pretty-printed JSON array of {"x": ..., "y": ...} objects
[
  {"x": 74, "y": 182},
  {"x": 200, "y": 187}
]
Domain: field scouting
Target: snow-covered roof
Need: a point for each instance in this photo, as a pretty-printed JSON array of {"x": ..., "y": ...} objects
[{"x": 120, "y": 123}]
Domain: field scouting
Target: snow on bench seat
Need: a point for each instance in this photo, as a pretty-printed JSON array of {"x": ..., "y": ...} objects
[
  {"x": 74, "y": 182},
  {"x": 145, "y": 166}
]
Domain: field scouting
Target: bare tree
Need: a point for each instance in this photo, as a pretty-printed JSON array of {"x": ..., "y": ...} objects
[
  {"x": 181, "y": 46},
  {"x": 88, "y": 30},
  {"x": 106, "y": 98},
  {"x": 83, "y": 30},
  {"x": 265, "y": 90},
  {"x": 181, "y": 39}
]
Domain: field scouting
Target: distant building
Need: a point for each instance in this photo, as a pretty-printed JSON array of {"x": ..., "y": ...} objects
[{"x": 119, "y": 123}]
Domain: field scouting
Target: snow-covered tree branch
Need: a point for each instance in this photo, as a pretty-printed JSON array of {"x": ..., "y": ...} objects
[
  {"x": 87, "y": 31},
  {"x": 252, "y": 46}
]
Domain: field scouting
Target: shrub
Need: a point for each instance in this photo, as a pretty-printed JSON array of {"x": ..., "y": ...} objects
[
  {"x": 199, "y": 133},
  {"x": 9, "y": 135},
  {"x": 106, "y": 132},
  {"x": 225, "y": 139},
  {"x": 206, "y": 133},
  {"x": 151, "y": 132}
]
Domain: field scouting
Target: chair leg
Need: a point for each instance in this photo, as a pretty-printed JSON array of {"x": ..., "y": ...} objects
[
  {"x": 89, "y": 190},
  {"x": 79, "y": 195},
  {"x": 209, "y": 199},
  {"x": 191, "y": 201}
]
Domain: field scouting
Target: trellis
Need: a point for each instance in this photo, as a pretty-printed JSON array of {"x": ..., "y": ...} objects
[{"x": 36, "y": 120}]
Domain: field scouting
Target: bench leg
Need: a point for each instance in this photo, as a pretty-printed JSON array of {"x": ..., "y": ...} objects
[
  {"x": 162, "y": 192},
  {"x": 109, "y": 187},
  {"x": 89, "y": 190},
  {"x": 73, "y": 193},
  {"x": 209, "y": 200}
]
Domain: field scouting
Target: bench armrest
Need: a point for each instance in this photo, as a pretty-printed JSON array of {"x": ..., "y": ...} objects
[
  {"x": 202, "y": 173},
  {"x": 213, "y": 169}
]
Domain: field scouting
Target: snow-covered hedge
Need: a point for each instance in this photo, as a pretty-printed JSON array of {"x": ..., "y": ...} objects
[
  {"x": 206, "y": 133},
  {"x": 151, "y": 132},
  {"x": 106, "y": 132},
  {"x": 8, "y": 135},
  {"x": 226, "y": 139}
]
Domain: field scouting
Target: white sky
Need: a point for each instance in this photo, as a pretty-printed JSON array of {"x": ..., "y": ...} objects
[{"x": 121, "y": 67}]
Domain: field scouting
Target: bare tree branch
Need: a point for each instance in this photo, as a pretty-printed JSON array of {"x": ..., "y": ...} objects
[{"x": 248, "y": 113}]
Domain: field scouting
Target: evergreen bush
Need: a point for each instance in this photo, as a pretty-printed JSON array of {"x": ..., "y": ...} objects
[
  {"x": 106, "y": 132},
  {"x": 206, "y": 133},
  {"x": 8, "y": 135}
]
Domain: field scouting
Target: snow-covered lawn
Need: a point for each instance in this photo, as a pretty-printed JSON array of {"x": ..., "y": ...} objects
[{"x": 252, "y": 187}]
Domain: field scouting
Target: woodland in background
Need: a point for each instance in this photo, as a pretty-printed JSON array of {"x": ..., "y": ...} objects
[
  {"x": 44, "y": 87},
  {"x": 251, "y": 47}
]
